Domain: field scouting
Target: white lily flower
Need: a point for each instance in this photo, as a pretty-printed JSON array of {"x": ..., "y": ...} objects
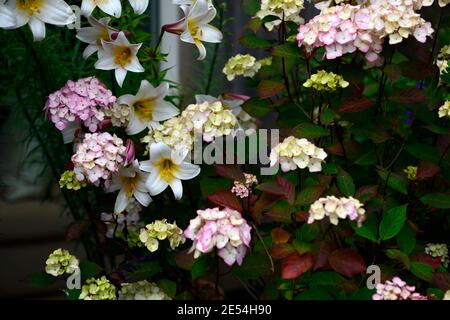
[
  {"x": 39, "y": 12},
  {"x": 131, "y": 183},
  {"x": 148, "y": 107},
  {"x": 194, "y": 27},
  {"x": 7, "y": 19},
  {"x": 111, "y": 7},
  {"x": 94, "y": 35},
  {"x": 119, "y": 55},
  {"x": 190, "y": 2},
  {"x": 168, "y": 167},
  {"x": 139, "y": 6}
]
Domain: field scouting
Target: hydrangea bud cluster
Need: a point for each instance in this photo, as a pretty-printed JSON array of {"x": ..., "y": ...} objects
[
  {"x": 442, "y": 59},
  {"x": 289, "y": 10},
  {"x": 173, "y": 132},
  {"x": 396, "y": 289},
  {"x": 293, "y": 153},
  {"x": 224, "y": 229},
  {"x": 241, "y": 65},
  {"x": 98, "y": 156},
  {"x": 68, "y": 180},
  {"x": 98, "y": 289},
  {"x": 119, "y": 114},
  {"x": 444, "y": 110},
  {"x": 84, "y": 101},
  {"x": 244, "y": 189},
  {"x": 337, "y": 208},
  {"x": 142, "y": 290},
  {"x": 345, "y": 28},
  {"x": 161, "y": 230},
  {"x": 411, "y": 172},
  {"x": 438, "y": 250},
  {"x": 325, "y": 81},
  {"x": 60, "y": 262},
  {"x": 211, "y": 119}
]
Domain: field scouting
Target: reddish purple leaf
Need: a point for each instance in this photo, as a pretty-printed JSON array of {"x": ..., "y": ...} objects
[
  {"x": 280, "y": 236},
  {"x": 225, "y": 198},
  {"x": 427, "y": 170},
  {"x": 355, "y": 104},
  {"x": 427, "y": 259},
  {"x": 347, "y": 262},
  {"x": 280, "y": 251},
  {"x": 230, "y": 171},
  {"x": 366, "y": 192},
  {"x": 269, "y": 88},
  {"x": 411, "y": 95},
  {"x": 442, "y": 280},
  {"x": 295, "y": 264},
  {"x": 287, "y": 187},
  {"x": 321, "y": 256}
]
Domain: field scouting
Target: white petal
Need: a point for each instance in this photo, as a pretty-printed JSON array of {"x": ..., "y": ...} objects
[
  {"x": 105, "y": 62},
  {"x": 179, "y": 154},
  {"x": 111, "y": 7},
  {"x": 87, "y": 6},
  {"x": 37, "y": 28},
  {"x": 186, "y": 37},
  {"x": 146, "y": 91},
  {"x": 177, "y": 188},
  {"x": 160, "y": 150},
  {"x": 127, "y": 99},
  {"x": 88, "y": 35},
  {"x": 202, "y": 50},
  {"x": 56, "y": 12},
  {"x": 135, "y": 125},
  {"x": 7, "y": 19},
  {"x": 156, "y": 186},
  {"x": 164, "y": 110},
  {"x": 146, "y": 166},
  {"x": 211, "y": 34},
  {"x": 120, "y": 76},
  {"x": 139, "y": 6},
  {"x": 90, "y": 49},
  {"x": 187, "y": 171},
  {"x": 135, "y": 65},
  {"x": 121, "y": 202},
  {"x": 143, "y": 198}
]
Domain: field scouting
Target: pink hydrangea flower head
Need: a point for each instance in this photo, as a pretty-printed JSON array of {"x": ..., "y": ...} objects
[
  {"x": 396, "y": 289},
  {"x": 98, "y": 156},
  {"x": 223, "y": 229},
  {"x": 83, "y": 101},
  {"x": 244, "y": 189}
]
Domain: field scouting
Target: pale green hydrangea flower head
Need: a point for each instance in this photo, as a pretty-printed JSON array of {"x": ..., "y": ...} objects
[
  {"x": 325, "y": 81},
  {"x": 60, "y": 262},
  {"x": 98, "y": 289},
  {"x": 142, "y": 290}
]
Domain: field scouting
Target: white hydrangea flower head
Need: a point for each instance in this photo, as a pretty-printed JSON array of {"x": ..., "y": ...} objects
[
  {"x": 295, "y": 153},
  {"x": 444, "y": 110},
  {"x": 119, "y": 114},
  {"x": 98, "y": 289},
  {"x": 289, "y": 10},
  {"x": 60, "y": 262},
  {"x": 337, "y": 208},
  {"x": 241, "y": 65},
  {"x": 142, "y": 290},
  {"x": 160, "y": 230}
]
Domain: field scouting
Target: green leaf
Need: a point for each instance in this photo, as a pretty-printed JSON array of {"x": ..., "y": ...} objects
[
  {"x": 201, "y": 266},
  {"x": 437, "y": 200},
  {"x": 399, "y": 256},
  {"x": 406, "y": 239},
  {"x": 42, "y": 280},
  {"x": 362, "y": 294},
  {"x": 367, "y": 159},
  {"x": 314, "y": 294},
  {"x": 326, "y": 278},
  {"x": 423, "y": 151},
  {"x": 329, "y": 168},
  {"x": 142, "y": 271},
  {"x": 422, "y": 271},
  {"x": 309, "y": 194},
  {"x": 89, "y": 269},
  {"x": 257, "y": 107},
  {"x": 369, "y": 229},
  {"x": 392, "y": 222},
  {"x": 288, "y": 50},
  {"x": 168, "y": 286},
  {"x": 251, "y": 7},
  {"x": 72, "y": 294},
  {"x": 269, "y": 88},
  {"x": 253, "y": 267},
  {"x": 307, "y": 232},
  {"x": 309, "y": 130},
  {"x": 301, "y": 246},
  {"x": 345, "y": 183},
  {"x": 327, "y": 116},
  {"x": 252, "y": 41},
  {"x": 395, "y": 182}
]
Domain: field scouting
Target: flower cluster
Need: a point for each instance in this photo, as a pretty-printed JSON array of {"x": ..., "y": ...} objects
[
  {"x": 411, "y": 172},
  {"x": 345, "y": 28},
  {"x": 396, "y": 289},
  {"x": 212, "y": 120},
  {"x": 438, "y": 250},
  {"x": 98, "y": 156},
  {"x": 442, "y": 59},
  {"x": 98, "y": 289},
  {"x": 161, "y": 230},
  {"x": 244, "y": 189},
  {"x": 224, "y": 229},
  {"x": 68, "y": 180},
  {"x": 335, "y": 208},
  {"x": 142, "y": 290},
  {"x": 84, "y": 100},
  {"x": 325, "y": 81},
  {"x": 60, "y": 262},
  {"x": 293, "y": 153},
  {"x": 119, "y": 114},
  {"x": 444, "y": 110},
  {"x": 241, "y": 65},
  {"x": 287, "y": 10}
]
